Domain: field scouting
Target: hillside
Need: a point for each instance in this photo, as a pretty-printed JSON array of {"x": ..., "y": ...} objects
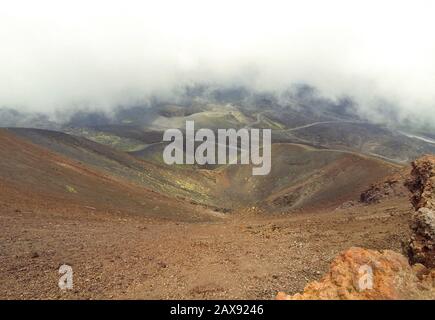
[
  {"x": 34, "y": 178},
  {"x": 301, "y": 176},
  {"x": 127, "y": 225}
]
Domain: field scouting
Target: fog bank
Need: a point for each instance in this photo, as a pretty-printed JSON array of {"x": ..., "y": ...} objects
[{"x": 64, "y": 55}]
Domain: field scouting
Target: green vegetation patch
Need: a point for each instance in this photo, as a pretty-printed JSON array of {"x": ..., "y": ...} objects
[{"x": 70, "y": 189}]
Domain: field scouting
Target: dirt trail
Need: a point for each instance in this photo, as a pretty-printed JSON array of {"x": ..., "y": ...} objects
[{"x": 322, "y": 122}]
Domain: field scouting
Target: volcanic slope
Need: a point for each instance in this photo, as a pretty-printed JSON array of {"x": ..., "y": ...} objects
[
  {"x": 65, "y": 199},
  {"x": 177, "y": 181},
  {"x": 37, "y": 178},
  {"x": 301, "y": 176}
]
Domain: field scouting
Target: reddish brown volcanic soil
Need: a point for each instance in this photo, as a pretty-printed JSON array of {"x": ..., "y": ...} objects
[
  {"x": 35, "y": 179},
  {"x": 126, "y": 241},
  {"x": 243, "y": 257}
]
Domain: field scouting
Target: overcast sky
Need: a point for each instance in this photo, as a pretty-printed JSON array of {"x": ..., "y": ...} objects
[{"x": 59, "y": 54}]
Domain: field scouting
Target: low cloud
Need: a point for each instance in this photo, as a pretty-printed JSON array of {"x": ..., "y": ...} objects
[{"x": 60, "y": 56}]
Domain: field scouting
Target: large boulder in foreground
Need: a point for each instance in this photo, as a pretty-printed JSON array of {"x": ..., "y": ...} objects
[
  {"x": 358, "y": 274},
  {"x": 421, "y": 247}
]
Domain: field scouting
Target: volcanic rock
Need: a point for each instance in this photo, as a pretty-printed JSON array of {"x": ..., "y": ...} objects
[
  {"x": 359, "y": 274},
  {"x": 392, "y": 186},
  {"x": 421, "y": 246}
]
